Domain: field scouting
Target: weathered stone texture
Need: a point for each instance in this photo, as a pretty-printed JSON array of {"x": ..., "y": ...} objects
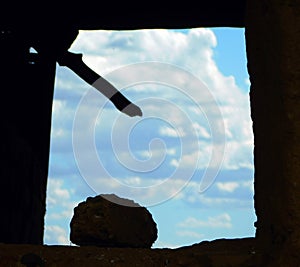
[
  {"x": 272, "y": 38},
  {"x": 107, "y": 220},
  {"x": 25, "y": 115},
  {"x": 22, "y": 204}
]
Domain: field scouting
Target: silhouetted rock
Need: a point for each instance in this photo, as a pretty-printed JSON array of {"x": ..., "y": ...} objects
[{"x": 110, "y": 221}]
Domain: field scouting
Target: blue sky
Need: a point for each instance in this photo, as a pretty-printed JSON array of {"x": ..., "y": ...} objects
[{"x": 192, "y": 86}]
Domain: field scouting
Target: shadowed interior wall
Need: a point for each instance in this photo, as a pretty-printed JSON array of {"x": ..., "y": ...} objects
[
  {"x": 272, "y": 39},
  {"x": 27, "y": 89},
  {"x": 25, "y": 110}
]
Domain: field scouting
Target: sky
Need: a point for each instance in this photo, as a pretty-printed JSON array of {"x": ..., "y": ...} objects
[{"x": 188, "y": 159}]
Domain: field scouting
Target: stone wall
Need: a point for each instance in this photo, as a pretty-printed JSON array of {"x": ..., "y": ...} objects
[
  {"x": 25, "y": 113},
  {"x": 27, "y": 88},
  {"x": 272, "y": 40}
]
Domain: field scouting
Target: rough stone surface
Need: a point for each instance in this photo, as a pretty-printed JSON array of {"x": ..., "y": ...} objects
[
  {"x": 25, "y": 131},
  {"x": 273, "y": 49},
  {"x": 17, "y": 228},
  {"x": 272, "y": 33},
  {"x": 27, "y": 83},
  {"x": 110, "y": 221},
  {"x": 217, "y": 253}
]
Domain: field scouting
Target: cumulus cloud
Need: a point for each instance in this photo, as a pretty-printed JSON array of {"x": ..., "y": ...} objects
[
  {"x": 60, "y": 205},
  {"x": 56, "y": 193},
  {"x": 113, "y": 48},
  {"x": 193, "y": 51},
  {"x": 219, "y": 221},
  {"x": 147, "y": 192},
  {"x": 161, "y": 244},
  {"x": 55, "y": 234},
  {"x": 106, "y": 51},
  {"x": 233, "y": 186},
  {"x": 249, "y": 185},
  {"x": 202, "y": 132},
  {"x": 155, "y": 191},
  {"x": 191, "y": 234},
  {"x": 167, "y": 131},
  {"x": 179, "y": 116},
  {"x": 227, "y": 186}
]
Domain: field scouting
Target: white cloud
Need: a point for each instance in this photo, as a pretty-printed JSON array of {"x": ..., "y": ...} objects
[
  {"x": 147, "y": 154},
  {"x": 106, "y": 51},
  {"x": 55, "y": 234},
  {"x": 55, "y": 192},
  {"x": 238, "y": 155},
  {"x": 58, "y": 133},
  {"x": 227, "y": 186},
  {"x": 69, "y": 82},
  {"x": 190, "y": 234},
  {"x": 219, "y": 221},
  {"x": 63, "y": 215},
  {"x": 58, "y": 106},
  {"x": 60, "y": 205},
  {"x": 61, "y": 201},
  {"x": 133, "y": 181},
  {"x": 170, "y": 132},
  {"x": 162, "y": 45},
  {"x": 154, "y": 191},
  {"x": 202, "y": 132},
  {"x": 188, "y": 161},
  {"x": 62, "y": 117},
  {"x": 247, "y": 81},
  {"x": 147, "y": 192},
  {"x": 249, "y": 185},
  {"x": 214, "y": 202},
  {"x": 161, "y": 244}
]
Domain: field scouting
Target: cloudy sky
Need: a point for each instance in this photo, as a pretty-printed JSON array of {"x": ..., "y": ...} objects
[{"x": 188, "y": 159}]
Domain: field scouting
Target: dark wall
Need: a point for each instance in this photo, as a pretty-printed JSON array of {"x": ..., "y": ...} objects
[
  {"x": 124, "y": 14},
  {"x": 25, "y": 110},
  {"x": 272, "y": 35},
  {"x": 27, "y": 86},
  {"x": 273, "y": 49}
]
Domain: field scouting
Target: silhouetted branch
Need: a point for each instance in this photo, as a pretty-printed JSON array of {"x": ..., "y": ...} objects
[{"x": 75, "y": 63}]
